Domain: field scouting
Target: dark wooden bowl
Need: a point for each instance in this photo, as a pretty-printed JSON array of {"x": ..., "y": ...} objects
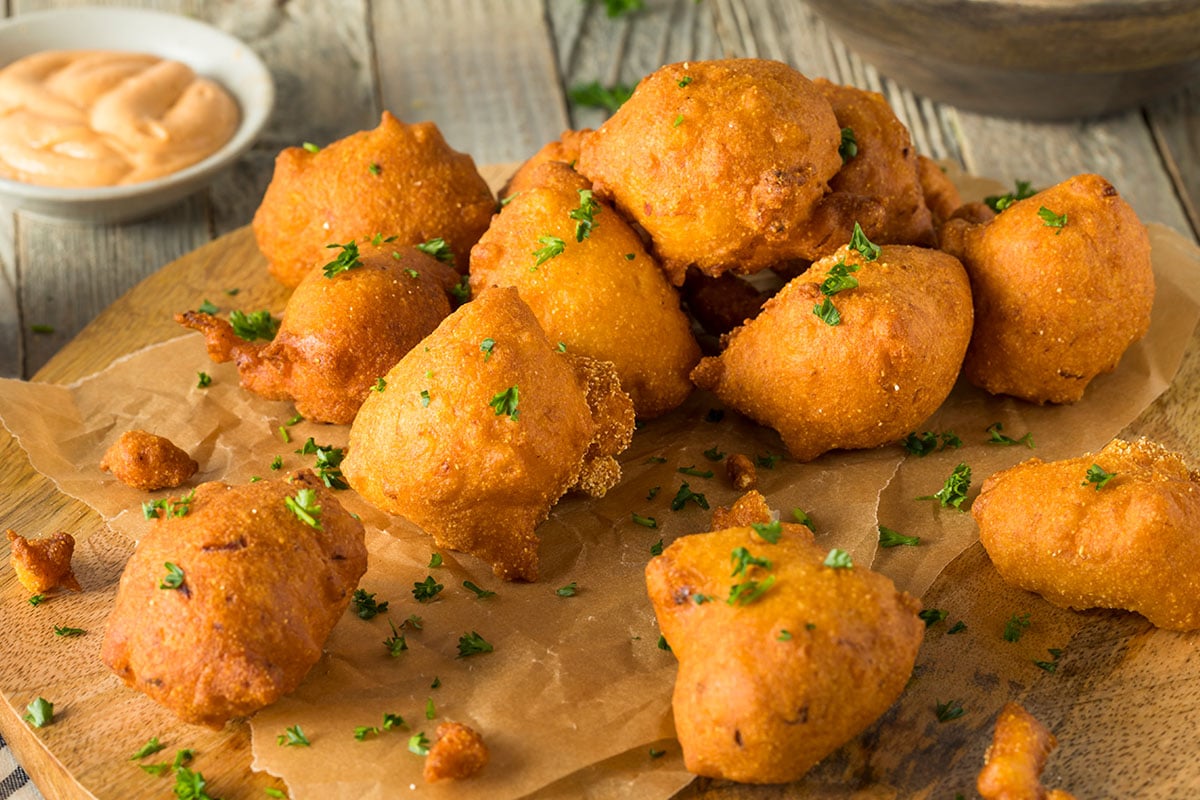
[{"x": 1042, "y": 59}]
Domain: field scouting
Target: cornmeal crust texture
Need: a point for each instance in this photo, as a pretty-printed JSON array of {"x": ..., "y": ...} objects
[
  {"x": 43, "y": 564},
  {"x": 259, "y": 594},
  {"x": 396, "y": 180},
  {"x": 721, "y": 162},
  {"x": 876, "y": 375},
  {"x": 1063, "y": 285},
  {"x": 564, "y": 150},
  {"x": 769, "y": 686},
  {"x": 603, "y": 296},
  {"x": 483, "y": 427},
  {"x": 1015, "y": 759},
  {"x": 148, "y": 461},
  {"x": 1133, "y": 543},
  {"x": 339, "y": 334}
]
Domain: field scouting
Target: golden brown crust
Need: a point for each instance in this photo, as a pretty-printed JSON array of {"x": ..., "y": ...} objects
[
  {"x": 723, "y": 303},
  {"x": 43, "y": 564},
  {"x": 564, "y": 150},
  {"x": 1055, "y": 306},
  {"x": 721, "y": 162},
  {"x": 940, "y": 193},
  {"x": 338, "y": 335},
  {"x": 750, "y": 507},
  {"x": 592, "y": 296},
  {"x": 421, "y": 190},
  {"x": 767, "y": 689},
  {"x": 260, "y": 592},
  {"x": 1014, "y": 762},
  {"x": 148, "y": 461},
  {"x": 457, "y": 753},
  {"x": 437, "y": 447},
  {"x": 864, "y": 382},
  {"x": 1131, "y": 544}
]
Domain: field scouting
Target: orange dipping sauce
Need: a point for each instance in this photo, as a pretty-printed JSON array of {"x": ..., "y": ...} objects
[{"x": 95, "y": 118}]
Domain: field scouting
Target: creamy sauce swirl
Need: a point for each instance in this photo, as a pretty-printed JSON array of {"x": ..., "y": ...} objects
[{"x": 98, "y": 118}]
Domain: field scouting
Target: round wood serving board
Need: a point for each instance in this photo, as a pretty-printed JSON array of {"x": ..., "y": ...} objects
[{"x": 1124, "y": 701}]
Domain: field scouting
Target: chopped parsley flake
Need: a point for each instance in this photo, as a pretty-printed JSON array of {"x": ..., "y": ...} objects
[
  {"x": 839, "y": 559},
  {"x": 860, "y": 242},
  {"x": 1002, "y": 201},
  {"x": 151, "y": 747},
  {"x": 1052, "y": 220},
  {"x": 584, "y": 215},
  {"x": 922, "y": 444},
  {"x": 173, "y": 579},
  {"x": 304, "y": 506},
  {"x": 663, "y": 644},
  {"x": 685, "y": 81},
  {"x": 207, "y": 307},
  {"x": 439, "y": 250},
  {"x": 656, "y": 548},
  {"x": 678, "y": 121},
  {"x": 697, "y": 473},
  {"x": 747, "y": 592},
  {"x": 255, "y": 325},
  {"x": 39, "y": 713},
  {"x": 472, "y": 643},
  {"x": 802, "y": 517},
  {"x": 932, "y": 616},
  {"x": 1098, "y": 476},
  {"x": 714, "y": 454},
  {"x": 310, "y": 147},
  {"x": 767, "y": 531},
  {"x": 848, "y": 149},
  {"x": 506, "y": 403},
  {"x": 203, "y": 380},
  {"x": 551, "y": 246},
  {"x": 426, "y": 590},
  {"x": 1015, "y": 628},
  {"x": 646, "y": 522},
  {"x": 418, "y": 744},
  {"x": 948, "y": 711},
  {"x": 890, "y": 538},
  {"x": 374, "y": 168},
  {"x": 70, "y": 633},
  {"x": 435, "y": 560},
  {"x": 480, "y": 592},
  {"x": 594, "y": 95},
  {"x": 685, "y": 494},
  {"x": 395, "y": 644},
  {"x": 827, "y": 312},
  {"x": 839, "y": 279},
  {"x": 996, "y": 437},
  {"x": 570, "y": 590},
  {"x": 487, "y": 345},
  {"x": 957, "y": 627},
  {"x": 365, "y": 604},
  {"x": 743, "y": 560},
  {"x": 346, "y": 260},
  {"x": 1052, "y": 665},
  {"x": 955, "y": 489},
  {"x": 380, "y": 385},
  {"x": 37, "y": 600},
  {"x": 292, "y": 737}
]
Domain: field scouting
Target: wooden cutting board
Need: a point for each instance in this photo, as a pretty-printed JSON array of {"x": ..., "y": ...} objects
[{"x": 1125, "y": 701}]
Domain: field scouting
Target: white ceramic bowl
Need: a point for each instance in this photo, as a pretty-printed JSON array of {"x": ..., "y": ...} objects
[{"x": 208, "y": 51}]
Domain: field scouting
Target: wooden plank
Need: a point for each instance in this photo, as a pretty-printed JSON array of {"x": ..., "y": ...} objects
[
  {"x": 1175, "y": 123},
  {"x": 488, "y": 80}
]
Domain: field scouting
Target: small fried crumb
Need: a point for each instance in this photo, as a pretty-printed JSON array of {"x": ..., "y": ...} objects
[
  {"x": 147, "y": 461},
  {"x": 741, "y": 471},
  {"x": 458, "y": 752},
  {"x": 748, "y": 509},
  {"x": 43, "y": 564},
  {"x": 1014, "y": 762}
]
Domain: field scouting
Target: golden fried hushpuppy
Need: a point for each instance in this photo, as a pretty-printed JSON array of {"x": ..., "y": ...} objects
[
  {"x": 148, "y": 461},
  {"x": 1081, "y": 539},
  {"x": 852, "y": 354},
  {"x": 721, "y": 304},
  {"x": 1063, "y": 285},
  {"x": 222, "y": 611},
  {"x": 750, "y": 507},
  {"x": 723, "y": 163},
  {"x": 483, "y": 427},
  {"x": 942, "y": 197},
  {"x": 340, "y": 333},
  {"x": 397, "y": 179},
  {"x": 43, "y": 564},
  {"x": 786, "y": 650},
  {"x": 591, "y": 285},
  {"x": 880, "y": 166},
  {"x": 457, "y": 753},
  {"x": 1015, "y": 759},
  {"x": 564, "y": 149}
]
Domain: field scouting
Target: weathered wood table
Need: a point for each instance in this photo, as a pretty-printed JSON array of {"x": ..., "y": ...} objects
[{"x": 495, "y": 75}]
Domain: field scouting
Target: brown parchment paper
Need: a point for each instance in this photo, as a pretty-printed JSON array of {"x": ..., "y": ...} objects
[{"x": 576, "y": 691}]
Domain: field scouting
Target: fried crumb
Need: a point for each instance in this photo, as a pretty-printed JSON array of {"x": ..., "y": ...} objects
[
  {"x": 148, "y": 461},
  {"x": 458, "y": 752},
  {"x": 741, "y": 472},
  {"x": 746, "y": 510},
  {"x": 1014, "y": 762},
  {"x": 43, "y": 564}
]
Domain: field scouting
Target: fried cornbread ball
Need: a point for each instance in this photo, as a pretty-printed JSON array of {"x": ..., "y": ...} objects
[
  {"x": 941, "y": 195},
  {"x": 564, "y": 150},
  {"x": 397, "y": 179},
  {"x": 483, "y": 427},
  {"x": 888, "y": 363},
  {"x": 782, "y": 658},
  {"x": 721, "y": 162},
  {"x": 458, "y": 752},
  {"x": 601, "y": 294},
  {"x": 43, "y": 564},
  {"x": 1062, "y": 284},
  {"x": 750, "y": 507},
  {"x": 1014, "y": 762},
  {"x": 721, "y": 304},
  {"x": 880, "y": 167},
  {"x": 223, "y": 610},
  {"x": 339, "y": 334},
  {"x": 148, "y": 461},
  {"x": 1130, "y": 542}
]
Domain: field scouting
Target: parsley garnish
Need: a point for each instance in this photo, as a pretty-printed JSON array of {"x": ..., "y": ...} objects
[
  {"x": 827, "y": 312},
  {"x": 426, "y": 590},
  {"x": 418, "y": 744},
  {"x": 955, "y": 489},
  {"x": 932, "y": 616},
  {"x": 151, "y": 747},
  {"x": 392, "y": 721},
  {"x": 361, "y": 732},
  {"x": 804, "y": 519},
  {"x": 860, "y": 242},
  {"x": 439, "y": 250},
  {"x": 663, "y": 644},
  {"x": 839, "y": 279},
  {"x": 749, "y": 591},
  {"x": 1052, "y": 665},
  {"x": 678, "y": 121},
  {"x": 890, "y": 538},
  {"x": 191, "y": 785},
  {"x": 767, "y": 531},
  {"x": 570, "y": 590},
  {"x": 203, "y": 380},
  {"x": 848, "y": 149},
  {"x": 256, "y": 325},
  {"x": 395, "y": 643},
  {"x": 655, "y": 460},
  {"x": 616, "y": 8},
  {"x": 743, "y": 560},
  {"x": 594, "y": 95},
  {"x": 685, "y": 494},
  {"x": 380, "y": 385},
  {"x": 40, "y": 713},
  {"x": 784, "y": 635},
  {"x": 506, "y": 403},
  {"x": 656, "y": 548},
  {"x": 653, "y": 493},
  {"x": 472, "y": 643},
  {"x": 430, "y": 709},
  {"x": 435, "y": 560},
  {"x": 480, "y": 592},
  {"x": 292, "y": 737},
  {"x": 487, "y": 345},
  {"x": 714, "y": 454},
  {"x": 1002, "y": 201},
  {"x": 168, "y": 506},
  {"x": 957, "y": 627},
  {"x": 425, "y": 398},
  {"x": 310, "y": 147},
  {"x": 374, "y": 168},
  {"x": 551, "y": 246},
  {"x": 1014, "y": 629},
  {"x": 1098, "y": 476},
  {"x": 646, "y": 522},
  {"x": 277, "y": 463},
  {"x": 207, "y": 307},
  {"x": 461, "y": 291},
  {"x": 584, "y": 215},
  {"x": 36, "y": 328},
  {"x": 37, "y": 599},
  {"x": 996, "y": 437},
  {"x": 303, "y": 505},
  {"x": 365, "y": 604},
  {"x": 693, "y": 471},
  {"x": 656, "y": 753},
  {"x": 63, "y": 630},
  {"x": 346, "y": 260},
  {"x": 948, "y": 711},
  {"x": 1052, "y": 220},
  {"x": 839, "y": 559},
  {"x": 922, "y": 444},
  {"x": 685, "y": 81},
  {"x": 173, "y": 579}
]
